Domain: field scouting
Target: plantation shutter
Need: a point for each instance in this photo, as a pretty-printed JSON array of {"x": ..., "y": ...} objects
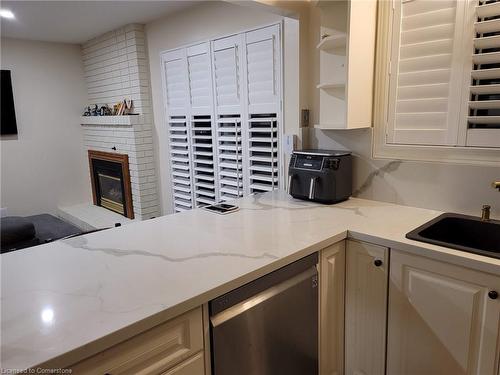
[
  {"x": 223, "y": 100},
  {"x": 263, "y": 97},
  {"x": 426, "y": 72},
  {"x": 202, "y": 127},
  {"x": 176, "y": 93},
  {"x": 483, "y": 127},
  {"x": 227, "y": 78},
  {"x": 229, "y": 157},
  {"x": 227, "y": 74}
]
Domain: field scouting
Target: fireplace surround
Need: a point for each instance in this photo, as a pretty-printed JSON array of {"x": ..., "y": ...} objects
[
  {"x": 110, "y": 178},
  {"x": 128, "y": 134}
]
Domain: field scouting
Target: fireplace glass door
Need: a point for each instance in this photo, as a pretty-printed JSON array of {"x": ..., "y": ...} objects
[
  {"x": 111, "y": 192},
  {"x": 108, "y": 178}
]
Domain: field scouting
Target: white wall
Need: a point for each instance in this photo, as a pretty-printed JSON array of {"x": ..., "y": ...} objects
[
  {"x": 45, "y": 165},
  {"x": 199, "y": 23}
]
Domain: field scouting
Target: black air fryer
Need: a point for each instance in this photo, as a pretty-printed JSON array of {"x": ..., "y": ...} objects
[{"x": 320, "y": 175}]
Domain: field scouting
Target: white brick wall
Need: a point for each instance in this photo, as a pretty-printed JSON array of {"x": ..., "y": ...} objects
[{"x": 116, "y": 67}]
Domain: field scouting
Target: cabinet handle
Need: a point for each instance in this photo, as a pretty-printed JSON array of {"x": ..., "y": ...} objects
[
  {"x": 493, "y": 294},
  {"x": 377, "y": 262}
]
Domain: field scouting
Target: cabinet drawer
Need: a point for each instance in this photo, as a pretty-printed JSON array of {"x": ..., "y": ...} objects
[
  {"x": 151, "y": 352},
  {"x": 192, "y": 366}
]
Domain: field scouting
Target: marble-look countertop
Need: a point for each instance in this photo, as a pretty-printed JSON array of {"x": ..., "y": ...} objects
[{"x": 64, "y": 301}]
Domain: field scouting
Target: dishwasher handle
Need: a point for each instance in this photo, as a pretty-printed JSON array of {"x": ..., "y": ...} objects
[{"x": 263, "y": 296}]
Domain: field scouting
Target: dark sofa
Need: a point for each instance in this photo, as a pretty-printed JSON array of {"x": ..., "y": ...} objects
[{"x": 22, "y": 232}]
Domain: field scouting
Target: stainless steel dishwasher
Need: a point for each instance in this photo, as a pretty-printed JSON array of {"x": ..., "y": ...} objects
[{"x": 269, "y": 326}]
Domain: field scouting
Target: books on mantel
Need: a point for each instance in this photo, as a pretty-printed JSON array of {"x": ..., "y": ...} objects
[{"x": 123, "y": 108}]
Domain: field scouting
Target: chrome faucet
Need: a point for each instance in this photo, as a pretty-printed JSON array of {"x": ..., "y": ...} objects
[{"x": 485, "y": 213}]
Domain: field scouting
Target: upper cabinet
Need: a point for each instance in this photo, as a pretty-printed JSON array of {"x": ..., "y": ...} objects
[
  {"x": 438, "y": 80},
  {"x": 346, "y": 44}
]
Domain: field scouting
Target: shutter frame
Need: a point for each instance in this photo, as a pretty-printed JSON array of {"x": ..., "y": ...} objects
[
  {"x": 482, "y": 127},
  {"x": 428, "y": 116},
  {"x": 263, "y": 122}
]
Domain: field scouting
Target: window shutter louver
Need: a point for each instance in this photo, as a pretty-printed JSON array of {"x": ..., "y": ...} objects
[
  {"x": 263, "y": 153},
  {"x": 175, "y": 79},
  {"x": 202, "y": 129},
  {"x": 229, "y": 157},
  {"x": 180, "y": 163},
  {"x": 200, "y": 79},
  {"x": 263, "y": 63},
  {"x": 262, "y": 66},
  {"x": 227, "y": 74},
  {"x": 176, "y": 92},
  {"x": 483, "y": 128},
  {"x": 227, "y": 66},
  {"x": 203, "y": 160},
  {"x": 425, "y": 76}
]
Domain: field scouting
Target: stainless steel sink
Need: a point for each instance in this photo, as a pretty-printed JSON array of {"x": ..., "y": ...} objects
[{"x": 461, "y": 232}]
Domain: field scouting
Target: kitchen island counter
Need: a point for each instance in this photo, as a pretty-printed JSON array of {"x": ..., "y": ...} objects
[{"x": 70, "y": 299}]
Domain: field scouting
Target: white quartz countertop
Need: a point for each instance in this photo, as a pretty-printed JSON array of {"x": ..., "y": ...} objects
[{"x": 66, "y": 300}]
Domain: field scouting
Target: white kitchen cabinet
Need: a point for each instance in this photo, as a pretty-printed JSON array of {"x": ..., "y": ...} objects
[
  {"x": 366, "y": 308},
  {"x": 346, "y": 61},
  {"x": 192, "y": 366},
  {"x": 174, "y": 347},
  {"x": 443, "y": 318},
  {"x": 332, "y": 275}
]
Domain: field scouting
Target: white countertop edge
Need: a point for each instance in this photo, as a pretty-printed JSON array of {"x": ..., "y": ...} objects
[
  {"x": 440, "y": 253},
  {"x": 105, "y": 342}
]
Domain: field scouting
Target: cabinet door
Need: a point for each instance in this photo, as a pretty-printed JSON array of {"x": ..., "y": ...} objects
[
  {"x": 366, "y": 308},
  {"x": 192, "y": 366},
  {"x": 152, "y": 352},
  {"x": 441, "y": 318},
  {"x": 332, "y": 272}
]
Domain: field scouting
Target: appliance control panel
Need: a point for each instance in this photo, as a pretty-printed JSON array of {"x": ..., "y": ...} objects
[{"x": 314, "y": 162}]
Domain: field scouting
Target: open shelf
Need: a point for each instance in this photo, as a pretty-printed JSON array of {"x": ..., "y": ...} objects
[
  {"x": 330, "y": 85},
  {"x": 125, "y": 120},
  {"x": 332, "y": 41}
]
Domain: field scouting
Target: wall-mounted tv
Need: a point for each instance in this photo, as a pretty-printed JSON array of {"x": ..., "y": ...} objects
[{"x": 8, "y": 123}]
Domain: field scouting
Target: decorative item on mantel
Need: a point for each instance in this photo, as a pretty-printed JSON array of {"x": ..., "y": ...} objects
[{"x": 122, "y": 108}]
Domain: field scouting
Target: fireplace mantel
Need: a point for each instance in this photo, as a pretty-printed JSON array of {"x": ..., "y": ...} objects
[{"x": 124, "y": 120}]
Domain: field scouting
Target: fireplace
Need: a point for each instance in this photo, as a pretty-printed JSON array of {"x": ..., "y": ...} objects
[{"x": 110, "y": 177}]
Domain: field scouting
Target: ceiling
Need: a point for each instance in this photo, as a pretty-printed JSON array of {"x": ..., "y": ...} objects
[{"x": 79, "y": 21}]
